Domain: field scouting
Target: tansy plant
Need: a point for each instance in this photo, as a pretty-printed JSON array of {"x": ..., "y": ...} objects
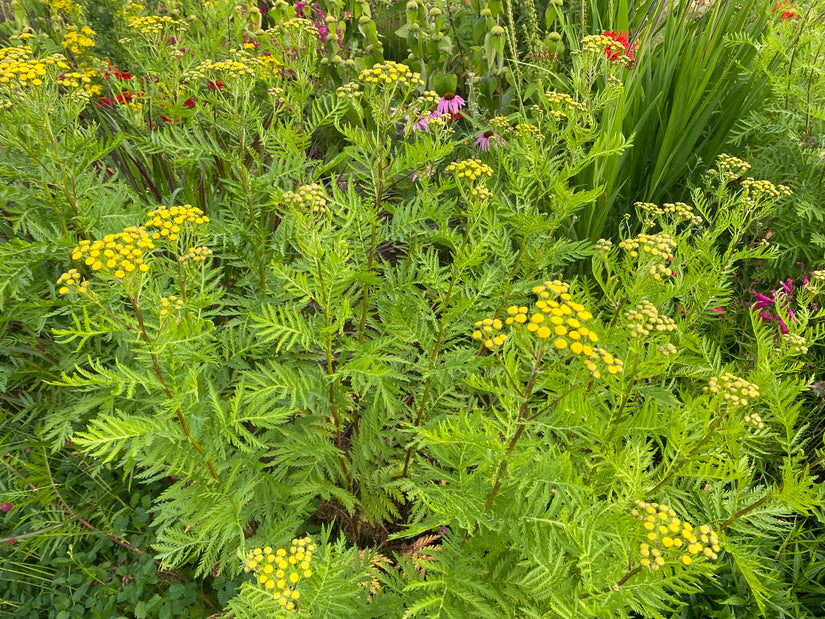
[{"x": 248, "y": 295}]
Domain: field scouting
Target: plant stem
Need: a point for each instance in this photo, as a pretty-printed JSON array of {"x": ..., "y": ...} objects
[
  {"x": 439, "y": 341},
  {"x": 180, "y": 415},
  {"x": 528, "y": 390},
  {"x": 692, "y": 453}
]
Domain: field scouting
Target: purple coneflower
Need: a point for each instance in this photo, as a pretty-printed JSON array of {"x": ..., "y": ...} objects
[
  {"x": 450, "y": 103},
  {"x": 420, "y": 123},
  {"x": 483, "y": 140}
]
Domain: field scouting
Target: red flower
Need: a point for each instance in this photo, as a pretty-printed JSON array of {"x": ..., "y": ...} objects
[
  {"x": 122, "y": 98},
  {"x": 190, "y": 103},
  {"x": 786, "y": 15},
  {"x": 216, "y": 85},
  {"x": 613, "y": 52}
]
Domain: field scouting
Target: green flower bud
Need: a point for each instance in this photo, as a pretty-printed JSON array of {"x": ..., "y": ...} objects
[
  {"x": 558, "y": 2},
  {"x": 497, "y": 31},
  {"x": 412, "y": 5},
  {"x": 554, "y": 36},
  {"x": 337, "y": 59},
  {"x": 364, "y": 20},
  {"x": 486, "y": 12},
  {"x": 435, "y": 12}
]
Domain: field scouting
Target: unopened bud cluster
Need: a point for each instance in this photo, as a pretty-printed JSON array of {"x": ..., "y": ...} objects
[
  {"x": 604, "y": 245},
  {"x": 660, "y": 246},
  {"x": 196, "y": 254},
  {"x": 679, "y": 211},
  {"x": 734, "y": 390},
  {"x": 755, "y": 420},
  {"x": 668, "y": 537},
  {"x": 310, "y": 197},
  {"x": 796, "y": 344},
  {"x": 765, "y": 188},
  {"x": 350, "y": 90},
  {"x": 731, "y": 167},
  {"x": 667, "y": 349},
  {"x": 645, "y": 319}
]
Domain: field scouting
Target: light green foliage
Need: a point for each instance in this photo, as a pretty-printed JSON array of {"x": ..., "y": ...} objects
[{"x": 303, "y": 303}]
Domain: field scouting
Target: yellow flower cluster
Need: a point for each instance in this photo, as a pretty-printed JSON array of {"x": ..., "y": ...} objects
[
  {"x": 755, "y": 420},
  {"x": 71, "y": 280},
  {"x": 564, "y": 100},
  {"x": 660, "y": 246},
  {"x": 299, "y": 26},
  {"x": 598, "y": 43},
  {"x": 76, "y": 41},
  {"x": 678, "y": 210},
  {"x": 121, "y": 254},
  {"x": 564, "y": 320},
  {"x": 170, "y": 303},
  {"x": 734, "y": 390},
  {"x": 528, "y": 129},
  {"x": 390, "y": 73},
  {"x": 765, "y": 188},
  {"x": 73, "y": 79},
  {"x": 500, "y": 122},
  {"x": 151, "y": 24},
  {"x": 279, "y": 571},
  {"x": 645, "y": 319},
  {"x": 309, "y": 197},
  {"x": 65, "y": 6},
  {"x": 234, "y": 68},
  {"x": 169, "y": 221},
  {"x": 668, "y": 535},
  {"x": 470, "y": 169},
  {"x": 731, "y": 167},
  {"x": 18, "y": 67},
  {"x": 196, "y": 254},
  {"x": 487, "y": 330}
]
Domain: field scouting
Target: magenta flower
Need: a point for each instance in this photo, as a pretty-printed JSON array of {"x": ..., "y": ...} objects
[
  {"x": 450, "y": 104},
  {"x": 719, "y": 311},
  {"x": 484, "y": 140},
  {"x": 420, "y": 123},
  {"x": 6, "y": 507},
  {"x": 764, "y": 302},
  {"x": 428, "y": 171}
]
